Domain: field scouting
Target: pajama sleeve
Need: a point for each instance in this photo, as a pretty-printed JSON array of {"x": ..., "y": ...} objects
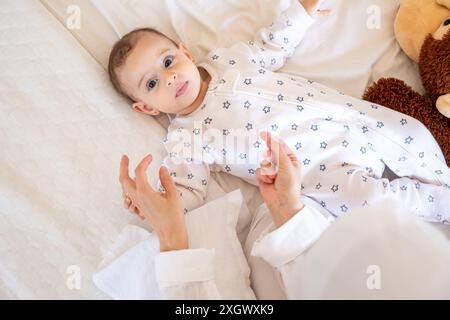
[
  {"x": 188, "y": 170},
  {"x": 271, "y": 45}
]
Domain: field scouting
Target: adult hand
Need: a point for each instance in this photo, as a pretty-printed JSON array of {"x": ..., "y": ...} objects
[
  {"x": 312, "y": 8},
  {"x": 281, "y": 190},
  {"x": 162, "y": 210}
]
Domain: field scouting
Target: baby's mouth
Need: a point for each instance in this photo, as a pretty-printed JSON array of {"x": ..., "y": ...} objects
[{"x": 182, "y": 89}]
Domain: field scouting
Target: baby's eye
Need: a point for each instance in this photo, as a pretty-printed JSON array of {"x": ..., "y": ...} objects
[
  {"x": 151, "y": 84},
  {"x": 447, "y": 22},
  {"x": 168, "y": 61}
]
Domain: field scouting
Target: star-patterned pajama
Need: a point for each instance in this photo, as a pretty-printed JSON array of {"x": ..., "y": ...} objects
[{"x": 344, "y": 144}]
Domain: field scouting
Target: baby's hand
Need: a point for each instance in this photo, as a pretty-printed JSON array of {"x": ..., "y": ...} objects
[{"x": 312, "y": 8}]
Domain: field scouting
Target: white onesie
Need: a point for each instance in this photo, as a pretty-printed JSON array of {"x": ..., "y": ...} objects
[{"x": 343, "y": 143}]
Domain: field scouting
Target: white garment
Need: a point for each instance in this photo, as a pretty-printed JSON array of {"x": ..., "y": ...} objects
[
  {"x": 216, "y": 232},
  {"x": 374, "y": 253},
  {"x": 187, "y": 274},
  {"x": 343, "y": 143}
]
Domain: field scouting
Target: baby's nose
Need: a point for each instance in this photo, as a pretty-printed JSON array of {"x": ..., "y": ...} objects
[{"x": 171, "y": 79}]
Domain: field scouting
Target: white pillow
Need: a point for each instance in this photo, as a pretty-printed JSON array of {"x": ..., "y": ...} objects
[
  {"x": 128, "y": 269},
  {"x": 345, "y": 51}
]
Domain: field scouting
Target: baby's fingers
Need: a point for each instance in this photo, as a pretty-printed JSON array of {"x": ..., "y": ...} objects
[
  {"x": 263, "y": 178},
  {"x": 323, "y": 12}
]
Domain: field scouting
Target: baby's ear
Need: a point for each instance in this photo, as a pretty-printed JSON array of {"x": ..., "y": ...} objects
[{"x": 143, "y": 108}]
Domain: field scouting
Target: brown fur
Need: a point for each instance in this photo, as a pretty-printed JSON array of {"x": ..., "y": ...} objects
[{"x": 434, "y": 66}]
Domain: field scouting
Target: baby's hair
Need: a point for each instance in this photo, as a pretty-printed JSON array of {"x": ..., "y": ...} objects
[{"x": 121, "y": 51}]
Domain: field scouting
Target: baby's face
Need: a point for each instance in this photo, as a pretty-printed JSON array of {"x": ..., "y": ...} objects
[{"x": 160, "y": 76}]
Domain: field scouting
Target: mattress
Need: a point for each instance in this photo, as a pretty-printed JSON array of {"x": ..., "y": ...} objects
[{"x": 63, "y": 128}]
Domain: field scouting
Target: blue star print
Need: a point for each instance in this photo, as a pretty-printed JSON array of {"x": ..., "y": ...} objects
[{"x": 348, "y": 142}]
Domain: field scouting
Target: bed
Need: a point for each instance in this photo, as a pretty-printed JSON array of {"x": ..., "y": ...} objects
[{"x": 63, "y": 128}]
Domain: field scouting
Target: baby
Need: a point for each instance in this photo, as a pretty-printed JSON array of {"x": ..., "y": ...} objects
[{"x": 218, "y": 107}]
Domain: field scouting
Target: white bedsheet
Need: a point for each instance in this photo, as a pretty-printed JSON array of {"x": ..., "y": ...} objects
[{"x": 63, "y": 128}]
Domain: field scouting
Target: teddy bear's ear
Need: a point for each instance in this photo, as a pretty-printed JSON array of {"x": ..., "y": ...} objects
[{"x": 445, "y": 3}]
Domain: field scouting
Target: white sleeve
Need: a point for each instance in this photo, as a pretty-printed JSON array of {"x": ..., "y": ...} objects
[
  {"x": 271, "y": 45},
  {"x": 283, "y": 246},
  {"x": 187, "y": 274},
  {"x": 280, "y": 246}
]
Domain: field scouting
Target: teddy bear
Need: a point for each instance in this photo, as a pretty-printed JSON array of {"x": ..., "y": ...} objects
[{"x": 422, "y": 28}]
